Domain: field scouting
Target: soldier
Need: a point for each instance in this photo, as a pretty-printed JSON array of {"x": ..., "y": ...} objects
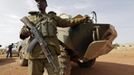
[
  {"x": 36, "y": 59},
  {"x": 9, "y": 52}
]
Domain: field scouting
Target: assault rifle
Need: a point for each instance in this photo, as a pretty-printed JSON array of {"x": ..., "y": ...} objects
[{"x": 42, "y": 43}]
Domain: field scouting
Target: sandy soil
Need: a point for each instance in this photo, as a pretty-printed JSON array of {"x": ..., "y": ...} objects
[{"x": 117, "y": 62}]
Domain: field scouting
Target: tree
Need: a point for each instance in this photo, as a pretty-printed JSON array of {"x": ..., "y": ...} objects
[{"x": 116, "y": 45}]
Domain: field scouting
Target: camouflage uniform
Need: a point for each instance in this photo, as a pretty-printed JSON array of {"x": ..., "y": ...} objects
[{"x": 37, "y": 60}]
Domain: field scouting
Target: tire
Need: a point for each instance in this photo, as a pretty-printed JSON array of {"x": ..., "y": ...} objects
[
  {"x": 64, "y": 63},
  {"x": 87, "y": 64}
]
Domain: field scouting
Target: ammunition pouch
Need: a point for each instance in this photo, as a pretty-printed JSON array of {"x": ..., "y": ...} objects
[{"x": 47, "y": 27}]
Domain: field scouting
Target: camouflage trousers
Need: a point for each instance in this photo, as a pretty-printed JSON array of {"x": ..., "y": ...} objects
[
  {"x": 62, "y": 62},
  {"x": 38, "y": 67}
]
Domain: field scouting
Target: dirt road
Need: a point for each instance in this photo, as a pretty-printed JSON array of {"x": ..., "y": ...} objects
[{"x": 117, "y": 62}]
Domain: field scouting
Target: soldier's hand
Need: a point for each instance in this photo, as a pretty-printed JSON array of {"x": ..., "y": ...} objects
[
  {"x": 25, "y": 32},
  {"x": 87, "y": 19}
]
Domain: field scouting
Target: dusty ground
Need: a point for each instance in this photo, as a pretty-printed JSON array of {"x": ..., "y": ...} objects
[{"x": 117, "y": 62}]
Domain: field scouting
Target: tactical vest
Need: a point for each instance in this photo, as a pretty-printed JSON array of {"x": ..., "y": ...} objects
[
  {"x": 47, "y": 28},
  {"x": 45, "y": 25}
]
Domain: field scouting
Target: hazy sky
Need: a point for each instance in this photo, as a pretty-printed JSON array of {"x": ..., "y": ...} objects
[{"x": 119, "y": 13}]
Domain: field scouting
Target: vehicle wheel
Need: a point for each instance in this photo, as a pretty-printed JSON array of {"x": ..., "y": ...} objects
[
  {"x": 23, "y": 62},
  {"x": 87, "y": 64},
  {"x": 64, "y": 63}
]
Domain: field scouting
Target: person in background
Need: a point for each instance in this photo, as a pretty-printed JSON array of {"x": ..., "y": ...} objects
[{"x": 9, "y": 51}]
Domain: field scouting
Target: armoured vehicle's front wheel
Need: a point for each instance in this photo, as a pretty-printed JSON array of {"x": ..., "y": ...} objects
[{"x": 87, "y": 64}]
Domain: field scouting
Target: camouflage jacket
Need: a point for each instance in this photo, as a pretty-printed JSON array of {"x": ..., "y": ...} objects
[{"x": 49, "y": 33}]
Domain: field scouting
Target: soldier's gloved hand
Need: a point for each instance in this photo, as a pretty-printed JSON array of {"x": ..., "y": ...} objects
[
  {"x": 25, "y": 32},
  {"x": 87, "y": 19}
]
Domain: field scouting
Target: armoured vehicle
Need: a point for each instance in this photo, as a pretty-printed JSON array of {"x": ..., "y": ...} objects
[{"x": 89, "y": 40}]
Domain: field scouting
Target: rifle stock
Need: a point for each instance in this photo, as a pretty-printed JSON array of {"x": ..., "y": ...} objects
[{"x": 41, "y": 41}]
